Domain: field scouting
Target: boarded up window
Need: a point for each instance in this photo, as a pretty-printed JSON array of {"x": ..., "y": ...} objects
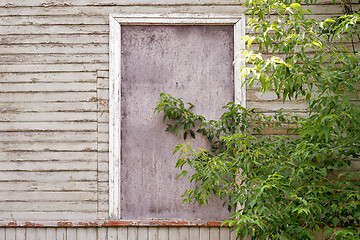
[{"x": 192, "y": 62}]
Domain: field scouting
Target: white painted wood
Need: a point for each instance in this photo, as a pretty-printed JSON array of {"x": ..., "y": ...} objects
[
  {"x": 46, "y": 176},
  {"x": 103, "y": 176},
  {"x": 184, "y": 233},
  {"x": 142, "y": 233},
  {"x": 110, "y": 2},
  {"x": 61, "y": 234},
  {"x": 48, "y": 77},
  {"x": 328, "y": 9},
  {"x": 40, "y": 233},
  {"x": 114, "y": 119},
  {"x": 20, "y": 233},
  {"x": 54, "y": 49},
  {"x": 50, "y": 233},
  {"x": 204, "y": 233},
  {"x": 48, "y": 97},
  {"x": 49, "y": 166},
  {"x": 132, "y": 233},
  {"x": 103, "y": 94},
  {"x": 52, "y": 53},
  {"x": 115, "y": 81},
  {"x": 53, "y": 58},
  {"x": 194, "y": 233},
  {"x": 153, "y": 233},
  {"x": 48, "y": 126},
  {"x": 63, "y": 20},
  {"x": 48, "y": 156},
  {"x": 57, "y": 29},
  {"x": 31, "y": 233},
  {"x": 174, "y": 233},
  {"x": 83, "y": 67},
  {"x": 102, "y": 74},
  {"x": 55, "y": 38},
  {"x": 59, "y": 137},
  {"x": 224, "y": 233},
  {"x": 176, "y": 19},
  {"x": 214, "y": 233},
  {"x": 103, "y": 156},
  {"x": 71, "y": 233},
  {"x": 2, "y": 233},
  {"x": 119, "y": 233},
  {"x": 103, "y": 83},
  {"x": 239, "y": 86},
  {"x": 91, "y": 233},
  {"x": 122, "y": 233},
  {"x": 85, "y": 206},
  {"x": 81, "y": 233},
  {"x": 102, "y": 234},
  {"x": 48, "y": 116},
  {"x": 163, "y": 233},
  {"x": 103, "y": 127},
  {"x": 49, "y": 86},
  {"x": 10, "y": 234},
  {"x": 233, "y": 235}
]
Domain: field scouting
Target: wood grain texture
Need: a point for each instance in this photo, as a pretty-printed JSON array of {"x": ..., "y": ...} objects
[{"x": 54, "y": 113}]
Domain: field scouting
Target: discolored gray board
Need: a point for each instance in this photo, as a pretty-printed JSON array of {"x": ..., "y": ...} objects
[{"x": 192, "y": 62}]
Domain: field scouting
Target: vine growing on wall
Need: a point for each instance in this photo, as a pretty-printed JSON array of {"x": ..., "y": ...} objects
[{"x": 294, "y": 185}]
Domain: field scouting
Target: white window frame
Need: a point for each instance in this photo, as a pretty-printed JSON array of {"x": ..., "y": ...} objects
[{"x": 115, "y": 22}]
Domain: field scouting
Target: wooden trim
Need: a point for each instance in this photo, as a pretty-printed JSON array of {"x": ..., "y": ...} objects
[
  {"x": 240, "y": 87},
  {"x": 114, "y": 119},
  {"x": 116, "y": 20},
  {"x": 125, "y": 223}
]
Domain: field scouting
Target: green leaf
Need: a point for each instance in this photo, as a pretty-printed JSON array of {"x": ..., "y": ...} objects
[{"x": 296, "y": 6}]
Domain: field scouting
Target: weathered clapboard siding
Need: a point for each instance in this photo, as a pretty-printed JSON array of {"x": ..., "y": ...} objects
[
  {"x": 54, "y": 38},
  {"x": 48, "y": 77},
  {"x": 54, "y": 114},
  {"x": 118, "y": 233},
  {"x": 57, "y": 58}
]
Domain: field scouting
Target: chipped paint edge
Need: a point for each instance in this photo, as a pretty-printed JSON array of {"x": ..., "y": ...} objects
[{"x": 113, "y": 223}]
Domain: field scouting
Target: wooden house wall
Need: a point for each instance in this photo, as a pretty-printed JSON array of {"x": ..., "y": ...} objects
[
  {"x": 113, "y": 233},
  {"x": 54, "y": 112}
]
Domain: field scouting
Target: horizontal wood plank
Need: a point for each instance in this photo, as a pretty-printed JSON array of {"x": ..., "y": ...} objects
[
  {"x": 48, "y": 20},
  {"x": 54, "y": 29},
  {"x": 48, "y": 97},
  {"x": 53, "y": 58},
  {"x": 48, "y": 156},
  {"x": 48, "y": 126},
  {"x": 111, "y": 2},
  {"x": 49, "y": 86},
  {"x": 100, "y": 10},
  {"x": 86, "y": 206},
  {"x": 71, "y": 67},
  {"x": 46, "y": 187},
  {"x": 94, "y": 38},
  {"x": 48, "y": 116},
  {"x": 50, "y": 137},
  {"x": 17, "y": 107},
  {"x": 146, "y": 8},
  {"x": 48, "y": 77},
  {"x": 46, "y": 216},
  {"x": 48, "y": 196},
  {"x": 42, "y": 176},
  {"x": 48, "y": 166}
]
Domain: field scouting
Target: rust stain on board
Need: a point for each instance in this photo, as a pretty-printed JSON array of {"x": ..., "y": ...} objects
[
  {"x": 33, "y": 224},
  {"x": 88, "y": 224},
  {"x": 119, "y": 223},
  {"x": 114, "y": 223},
  {"x": 64, "y": 224}
]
